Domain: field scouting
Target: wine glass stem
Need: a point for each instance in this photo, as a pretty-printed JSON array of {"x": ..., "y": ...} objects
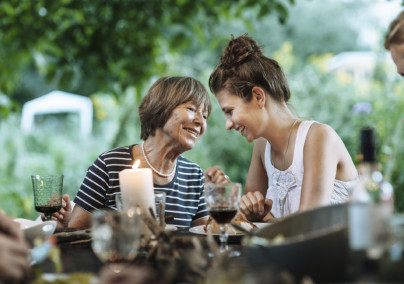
[
  {"x": 223, "y": 238},
  {"x": 48, "y": 216}
]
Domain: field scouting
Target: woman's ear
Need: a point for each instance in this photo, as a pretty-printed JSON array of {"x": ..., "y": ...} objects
[{"x": 258, "y": 96}]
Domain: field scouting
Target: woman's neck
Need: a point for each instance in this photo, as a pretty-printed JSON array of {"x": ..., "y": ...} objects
[
  {"x": 278, "y": 126},
  {"x": 158, "y": 156}
]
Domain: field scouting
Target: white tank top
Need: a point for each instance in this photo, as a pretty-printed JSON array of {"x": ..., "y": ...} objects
[{"x": 284, "y": 187}]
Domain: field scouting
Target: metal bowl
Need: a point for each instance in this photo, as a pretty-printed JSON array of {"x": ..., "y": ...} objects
[{"x": 311, "y": 243}]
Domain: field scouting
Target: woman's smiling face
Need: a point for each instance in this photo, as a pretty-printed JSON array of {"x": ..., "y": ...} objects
[
  {"x": 239, "y": 114},
  {"x": 186, "y": 123},
  {"x": 397, "y": 54}
]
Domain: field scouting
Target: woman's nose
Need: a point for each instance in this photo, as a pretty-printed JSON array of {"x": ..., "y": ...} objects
[
  {"x": 199, "y": 118},
  {"x": 229, "y": 124}
]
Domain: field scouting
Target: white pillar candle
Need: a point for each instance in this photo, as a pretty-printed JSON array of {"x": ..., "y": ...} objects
[{"x": 137, "y": 187}]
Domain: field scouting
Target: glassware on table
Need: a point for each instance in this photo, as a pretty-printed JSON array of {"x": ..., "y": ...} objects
[
  {"x": 223, "y": 201},
  {"x": 116, "y": 236},
  {"x": 160, "y": 201},
  {"x": 47, "y": 193},
  {"x": 118, "y": 201}
]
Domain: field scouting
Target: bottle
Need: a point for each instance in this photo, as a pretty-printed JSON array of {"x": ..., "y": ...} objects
[{"x": 371, "y": 204}]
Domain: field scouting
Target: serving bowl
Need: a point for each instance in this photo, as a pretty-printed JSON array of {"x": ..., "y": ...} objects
[
  {"x": 34, "y": 229},
  {"x": 313, "y": 243}
]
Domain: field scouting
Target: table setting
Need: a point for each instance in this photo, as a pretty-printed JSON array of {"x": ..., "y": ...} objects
[
  {"x": 134, "y": 234},
  {"x": 305, "y": 247}
]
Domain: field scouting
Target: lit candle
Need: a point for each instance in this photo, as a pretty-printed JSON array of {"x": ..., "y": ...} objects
[{"x": 137, "y": 187}]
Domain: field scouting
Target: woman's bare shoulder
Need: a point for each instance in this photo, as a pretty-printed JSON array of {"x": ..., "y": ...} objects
[
  {"x": 323, "y": 136},
  {"x": 321, "y": 131}
]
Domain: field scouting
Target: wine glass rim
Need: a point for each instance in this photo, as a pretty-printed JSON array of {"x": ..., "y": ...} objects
[
  {"x": 223, "y": 184},
  {"x": 46, "y": 176}
]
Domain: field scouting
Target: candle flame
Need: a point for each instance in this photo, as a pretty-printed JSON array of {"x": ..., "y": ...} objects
[{"x": 136, "y": 164}]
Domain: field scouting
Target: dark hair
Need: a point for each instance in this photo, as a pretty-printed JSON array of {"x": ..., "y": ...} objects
[
  {"x": 243, "y": 66},
  {"x": 395, "y": 33},
  {"x": 166, "y": 94}
]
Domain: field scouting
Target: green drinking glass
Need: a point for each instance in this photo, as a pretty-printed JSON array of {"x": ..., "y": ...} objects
[{"x": 47, "y": 193}]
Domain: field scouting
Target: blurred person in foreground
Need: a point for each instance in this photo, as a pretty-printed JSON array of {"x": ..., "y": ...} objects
[
  {"x": 394, "y": 42},
  {"x": 173, "y": 117},
  {"x": 14, "y": 266},
  {"x": 296, "y": 165}
]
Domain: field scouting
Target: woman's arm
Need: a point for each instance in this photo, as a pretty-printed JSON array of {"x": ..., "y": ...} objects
[
  {"x": 257, "y": 179},
  {"x": 80, "y": 218},
  {"x": 199, "y": 221},
  {"x": 253, "y": 203},
  {"x": 325, "y": 158}
]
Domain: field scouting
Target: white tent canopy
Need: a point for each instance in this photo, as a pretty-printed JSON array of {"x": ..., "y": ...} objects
[
  {"x": 58, "y": 102},
  {"x": 360, "y": 64}
]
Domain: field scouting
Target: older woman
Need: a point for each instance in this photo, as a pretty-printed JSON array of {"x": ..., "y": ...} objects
[
  {"x": 296, "y": 165},
  {"x": 395, "y": 42},
  {"x": 173, "y": 117}
]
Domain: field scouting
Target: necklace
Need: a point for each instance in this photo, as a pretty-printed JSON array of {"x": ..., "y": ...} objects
[
  {"x": 154, "y": 170},
  {"x": 287, "y": 146}
]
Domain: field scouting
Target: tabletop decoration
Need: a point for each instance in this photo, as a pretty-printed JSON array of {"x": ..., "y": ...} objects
[
  {"x": 180, "y": 258},
  {"x": 137, "y": 187}
]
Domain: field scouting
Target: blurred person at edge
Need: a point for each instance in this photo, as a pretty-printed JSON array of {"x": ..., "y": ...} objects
[
  {"x": 296, "y": 165},
  {"x": 173, "y": 117},
  {"x": 14, "y": 266},
  {"x": 394, "y": 42}
]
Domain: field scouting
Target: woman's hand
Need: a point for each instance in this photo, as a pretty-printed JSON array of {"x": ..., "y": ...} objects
[
  {"x": 255, "y": 207},
  {"x": 63, "y": 215},
  {"x": 10, "y": 228},
  {"x": 14, "y": 266},
  {"x": 215, "y": 175}
]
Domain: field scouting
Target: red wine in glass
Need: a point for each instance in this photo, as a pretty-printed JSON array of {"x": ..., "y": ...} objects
[
  {"x": 48, "y": 209},
  {"x": 222, "y": 215},
  {"x": 222, "y": 202}
]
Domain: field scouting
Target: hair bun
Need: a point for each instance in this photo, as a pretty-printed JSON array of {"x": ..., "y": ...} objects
[{"x": 239, "y": 50}]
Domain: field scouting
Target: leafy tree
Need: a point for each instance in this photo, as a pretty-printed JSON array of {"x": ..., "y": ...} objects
[{"x": 106, "y": 45}]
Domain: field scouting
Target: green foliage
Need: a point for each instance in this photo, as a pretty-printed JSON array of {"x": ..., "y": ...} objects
[
  {"x": 113, "y": 50},
  {"x": 47, "y": 150},
  {"x": 106, "y": 45}
]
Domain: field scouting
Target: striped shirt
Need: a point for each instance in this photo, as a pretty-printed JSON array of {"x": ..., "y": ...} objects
[{"x": 185, "y": 199}]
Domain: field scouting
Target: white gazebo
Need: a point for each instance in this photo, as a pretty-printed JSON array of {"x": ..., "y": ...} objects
[
  {"x": 58, "y": 102},
  {"x": 360, "y": 64}
]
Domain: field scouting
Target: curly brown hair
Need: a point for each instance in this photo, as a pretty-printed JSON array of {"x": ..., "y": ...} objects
[
  {"x": 395, "y": 34},
  {"x": 166, "y": 94},
  {"x": 243, "y": 66}
]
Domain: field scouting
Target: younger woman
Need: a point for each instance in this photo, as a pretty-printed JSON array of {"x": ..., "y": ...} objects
[{"x": 296, "y": 165}]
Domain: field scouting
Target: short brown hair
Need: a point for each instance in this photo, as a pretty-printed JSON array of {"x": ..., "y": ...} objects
[
  {"x": 243, "y": 66},
  {"x": 395, "y": 34},
  {"x": 166, "y": 94}
]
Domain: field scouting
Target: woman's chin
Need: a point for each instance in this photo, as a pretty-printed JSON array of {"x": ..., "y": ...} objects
[
  {"x": 249, "y": 139},
  {"x": 188, "y": 145}
]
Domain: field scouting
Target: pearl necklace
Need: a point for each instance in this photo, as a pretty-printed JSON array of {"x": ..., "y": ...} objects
[{"x": 154, "y": 170}]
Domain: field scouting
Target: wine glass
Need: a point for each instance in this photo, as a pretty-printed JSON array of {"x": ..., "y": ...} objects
[
  {"x": 47, "y": 194},
  {"x": 116, "y": 236},
  {"x": 222, "y": 201}
]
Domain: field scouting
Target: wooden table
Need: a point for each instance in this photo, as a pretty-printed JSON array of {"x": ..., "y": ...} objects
[{"x": 79, "y": 257}]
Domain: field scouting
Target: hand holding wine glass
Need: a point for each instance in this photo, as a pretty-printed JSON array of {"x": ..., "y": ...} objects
[
  {"x": 222, "y": 201},
  {"x": 47, "y": 194}
]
